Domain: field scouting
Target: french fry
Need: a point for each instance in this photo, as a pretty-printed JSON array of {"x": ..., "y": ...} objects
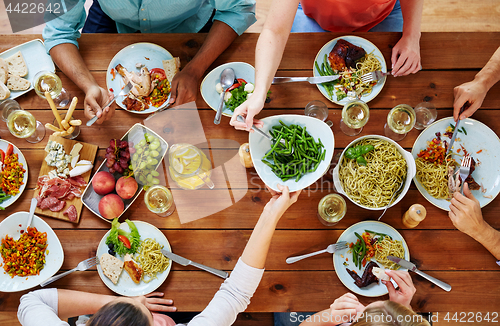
[
  {"x": 57, "y": 133},
  {"x": 65, "y": 124},
  {"x": 71, "y": 109},
  {"x": 65, "y": 133},
  {"x": 75, "y": 123},
  {"x": 54, "y": 109},
  {"x": 52, "y": 127},
  {"x": 71, "y": 130}
]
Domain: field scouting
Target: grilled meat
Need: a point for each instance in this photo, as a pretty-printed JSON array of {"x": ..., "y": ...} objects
[
  {"x": 141, "y": 83},
  {"x": 367, "y": 278},
  {"x": 344, "y": 55}
]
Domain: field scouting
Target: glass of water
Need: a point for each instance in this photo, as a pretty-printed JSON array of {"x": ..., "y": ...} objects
[
  {"x": 318, "y": 110},
  {"x": 426, "y": 114}
]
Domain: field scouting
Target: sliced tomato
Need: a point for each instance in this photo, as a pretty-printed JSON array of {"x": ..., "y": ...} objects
[
  {"x": 236, "y": 85},
  {"x": 157, "y": 73},
  {"x": 125, "y": 240},
  {"x": 241, "y": 81},
  {"x": 10, "y": 149},
  {"x": 111, "y": 90},
  {"x": 2, "y": 156}
]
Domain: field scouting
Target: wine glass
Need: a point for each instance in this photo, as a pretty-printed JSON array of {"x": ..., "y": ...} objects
[
  {"x": 400, "y": 121},
  {"x": 425, "y": 114},
  {"x": 319, "y": 110},
  {"x": 22, "y": 124},
  {"x": 46, "y": 81},
  {"x": 355, "y": 115}
]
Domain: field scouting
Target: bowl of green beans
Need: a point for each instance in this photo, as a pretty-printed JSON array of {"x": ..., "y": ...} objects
[{"x": 299, "y": 154}]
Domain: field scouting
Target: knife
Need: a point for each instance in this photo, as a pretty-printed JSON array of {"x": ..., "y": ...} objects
[
  {"x": 311, "y": 80},
  {"x": 462, "y": 109},
  {"x": 411, "y": 266},
  {"x": 184, "y": 262}
]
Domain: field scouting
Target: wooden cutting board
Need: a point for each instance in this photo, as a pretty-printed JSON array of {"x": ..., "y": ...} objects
[{"x": 88, "y": 152}]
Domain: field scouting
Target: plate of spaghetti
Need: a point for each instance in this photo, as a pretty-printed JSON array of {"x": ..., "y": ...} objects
[
  {"x": 351, "y": 57},
  {"x": 434, "y": 169},
  {"x": 379, "y": 241}
]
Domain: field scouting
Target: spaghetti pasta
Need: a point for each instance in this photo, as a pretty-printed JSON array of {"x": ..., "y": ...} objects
[
  {"x": 374, "y": 184},
  {"x": 434, "y": 177},
  {"x": 151, "y": 259},
  {"x": 387, "y": 247}
]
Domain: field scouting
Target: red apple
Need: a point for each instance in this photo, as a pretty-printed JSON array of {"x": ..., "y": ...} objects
[
  {"x": 111, "y": 206},
  {"x": 126, "y": 187},
  {"x": 103, "y": 183}
]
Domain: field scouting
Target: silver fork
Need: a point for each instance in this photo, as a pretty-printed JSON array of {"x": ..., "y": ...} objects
[
  {"x": 373, "y": 76},
  {"x": 124, "y": 91},
  {"x": 82, "y": 266},
  {"x": 464, "y": 170},
  {"x": 330, "y": 249}
]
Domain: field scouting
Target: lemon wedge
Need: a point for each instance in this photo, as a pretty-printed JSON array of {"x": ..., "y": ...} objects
[
  {"x": 178, "y": 166},
  {"x": 190, "y": 156}
]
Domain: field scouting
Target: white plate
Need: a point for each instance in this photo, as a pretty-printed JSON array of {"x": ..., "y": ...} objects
[
  {"x": 479, "y": 138},
  {"x": 207, "y": 88},
  {"x": 259, "y": 146},
  {"x": 12, "y": 226},
  {"x": 368, "y": 47},
  {"x": 374, "y": 289},
  {"x": 125, "y": 285},
  {"x": 3, "y": 146},
  {"x": 36, "y": 58},
  {"x": 128, "y": 57}
]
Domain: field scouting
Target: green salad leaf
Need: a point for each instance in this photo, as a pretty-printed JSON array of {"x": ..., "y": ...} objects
[{"x": 133, "y": 236}]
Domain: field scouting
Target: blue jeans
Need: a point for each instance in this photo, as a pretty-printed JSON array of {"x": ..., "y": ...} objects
[{"x": 392, "y": 23}]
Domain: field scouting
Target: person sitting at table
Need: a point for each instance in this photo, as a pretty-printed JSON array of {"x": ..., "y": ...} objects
[
  {"x": 347, "y": 308},
  {"x": 465, "y": 214},
  {"x": 223, "y": 20},
  {"x": 49, "y": 306},
  {"x": 272, "y": 40},
  {"x": 475, "y": 91}
]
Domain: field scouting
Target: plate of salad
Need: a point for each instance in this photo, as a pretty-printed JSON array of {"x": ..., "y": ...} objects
[
  {"x": 132, "y": 234},
  {"x": 13, "y": 173},
  {"x": 236, "y": 94}
]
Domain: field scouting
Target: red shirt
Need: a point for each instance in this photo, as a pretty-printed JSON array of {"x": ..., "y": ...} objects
[{"x": 347, "y": 15}]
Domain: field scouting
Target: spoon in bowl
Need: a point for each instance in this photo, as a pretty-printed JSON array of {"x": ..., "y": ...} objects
[
  {"x": 226, "y": 80},
  {"x": 34, "y": 202}
]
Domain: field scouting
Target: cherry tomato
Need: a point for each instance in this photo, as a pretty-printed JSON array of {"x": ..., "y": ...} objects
[
  {"x": 125, "y": 240},
  {"x": 111, "y": 90},
  {"x": 2, "y": 156},
  {"x": 157, "y": 73},
  {"x": 10, "y": 149}
]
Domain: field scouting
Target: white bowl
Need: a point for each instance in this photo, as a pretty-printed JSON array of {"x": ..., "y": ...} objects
[
  {"x": 259, "y": 145},
  {"x": 410, "y": 162}
]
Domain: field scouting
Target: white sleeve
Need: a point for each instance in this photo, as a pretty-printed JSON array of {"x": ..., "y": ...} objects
[
  {"x": 39, "y": 308},
  {"x": 232, "y": 298}
]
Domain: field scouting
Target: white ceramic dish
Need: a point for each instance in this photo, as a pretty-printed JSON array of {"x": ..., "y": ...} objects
[
  {"x": 125, "y": 285},
  {"x": 368, "y": 47},
  {"x": 260, "y": 145},
  {"x": 36, "y": 58},
  {"x": 374, "y": 289},
  {"x": 3, "y": 146},
  {"x": 479, "y": 138},
  {"x": 410, "y": 172},
  {"x": 12, "y": 226},
  {"x": 149, "y": 54},
  {"x": 207, "y": 88}
]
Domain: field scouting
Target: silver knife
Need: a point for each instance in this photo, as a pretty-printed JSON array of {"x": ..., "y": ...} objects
[
  {"x": 184, "y": 262},
  {"x": 411, "y": 266},
  {"x": 311, "y": 80},
  {"x": 462, "y": 109}
]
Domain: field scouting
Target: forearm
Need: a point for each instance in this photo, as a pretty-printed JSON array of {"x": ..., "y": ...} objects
[
  {"x": 412, "y": 17},
  {"x": 490, "y": 239},
  {"x": 67, "y": 57},
  {"x": 256, "y": 250},
  {"x": 75, "y": 303},
  {"x": 490, "y": 74}
]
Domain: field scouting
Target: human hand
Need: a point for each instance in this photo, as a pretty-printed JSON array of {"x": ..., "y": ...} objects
[
  {"x": 184, "y": 87},
  {"x": 473, "y": 92},
  {"x": 345, "y": 308},
  {"x": 279, "y": 203},
  {"x": 95, "y": 98},
  {"x": 153, "y": 303},
  {"x": 406, "y": 56},
  {"x": 406, "y": 289},
  {"x": 248, "y": 109},
  {"x": 465, "y": 213}
]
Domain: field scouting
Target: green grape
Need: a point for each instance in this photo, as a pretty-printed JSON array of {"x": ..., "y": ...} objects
[
  {"x": 140, "y": 150},
  {"x": 154, "y": 145},
  {"x": 155, "y": 173},
  {"x": 146, "y": 152},
  {"x": 154, "y": 153},
  {"x": 142, "y": 179},
  {"x": 142, "y": 143},
  {"x": 130, "y": 167},
  {"x": 149, "y": 178},
  {"x": 142, "y": 165},
  {"x": 154, "y": 161},
  {"x": 156, "y": 181},
  {"x": 135, "y": 157}
]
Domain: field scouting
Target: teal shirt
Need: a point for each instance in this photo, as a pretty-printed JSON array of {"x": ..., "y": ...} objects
[{"x": 153, "y": 16}]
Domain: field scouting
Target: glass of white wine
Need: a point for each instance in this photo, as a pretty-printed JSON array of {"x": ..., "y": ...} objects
[
  {"x": 46, "y": 81},
  {"x": 355, "y": 115},
  {"x": 331, "y": 209},
  {"x": 159, "y": 200},
  {"x": 400, "y": 120},
  {"x": 22, "y": 124}
]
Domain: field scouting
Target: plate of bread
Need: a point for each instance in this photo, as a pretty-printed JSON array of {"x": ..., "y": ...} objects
[
  {"x": 130, "y": 274},
  {"x": 19, "y": 65}
]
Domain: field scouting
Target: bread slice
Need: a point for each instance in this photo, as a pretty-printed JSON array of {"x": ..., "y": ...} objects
[
  {"x": 380, "y": 274},
  {"x": 171, "y": 67},
  {"x": 16, "y": 65},
  {"x": 4, "y": 92},
  {"x": 111, "y": 267},
  {"x": 3, "y": 71},
  {"x": 16, "y": 83},
  {"x": 133, "y": 269}
]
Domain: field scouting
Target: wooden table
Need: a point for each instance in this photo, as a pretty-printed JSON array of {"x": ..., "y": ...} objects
[{"x": 437, "y": 248}]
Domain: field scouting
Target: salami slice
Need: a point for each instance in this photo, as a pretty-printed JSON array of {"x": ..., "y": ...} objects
[
  {"x": 77, "y": 181},
  {"x": 58, "y": 206},
  {"x": 71, "y": 212}
]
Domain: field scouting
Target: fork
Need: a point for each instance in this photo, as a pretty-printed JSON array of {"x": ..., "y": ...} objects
[
  {"x": 330, "y": 249},
  {"x": 125, "y": 90},
  {"x": 464, "y": 170},
  {"x": 373, "y": 76},
  {"x": 82, "y": 266}
]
